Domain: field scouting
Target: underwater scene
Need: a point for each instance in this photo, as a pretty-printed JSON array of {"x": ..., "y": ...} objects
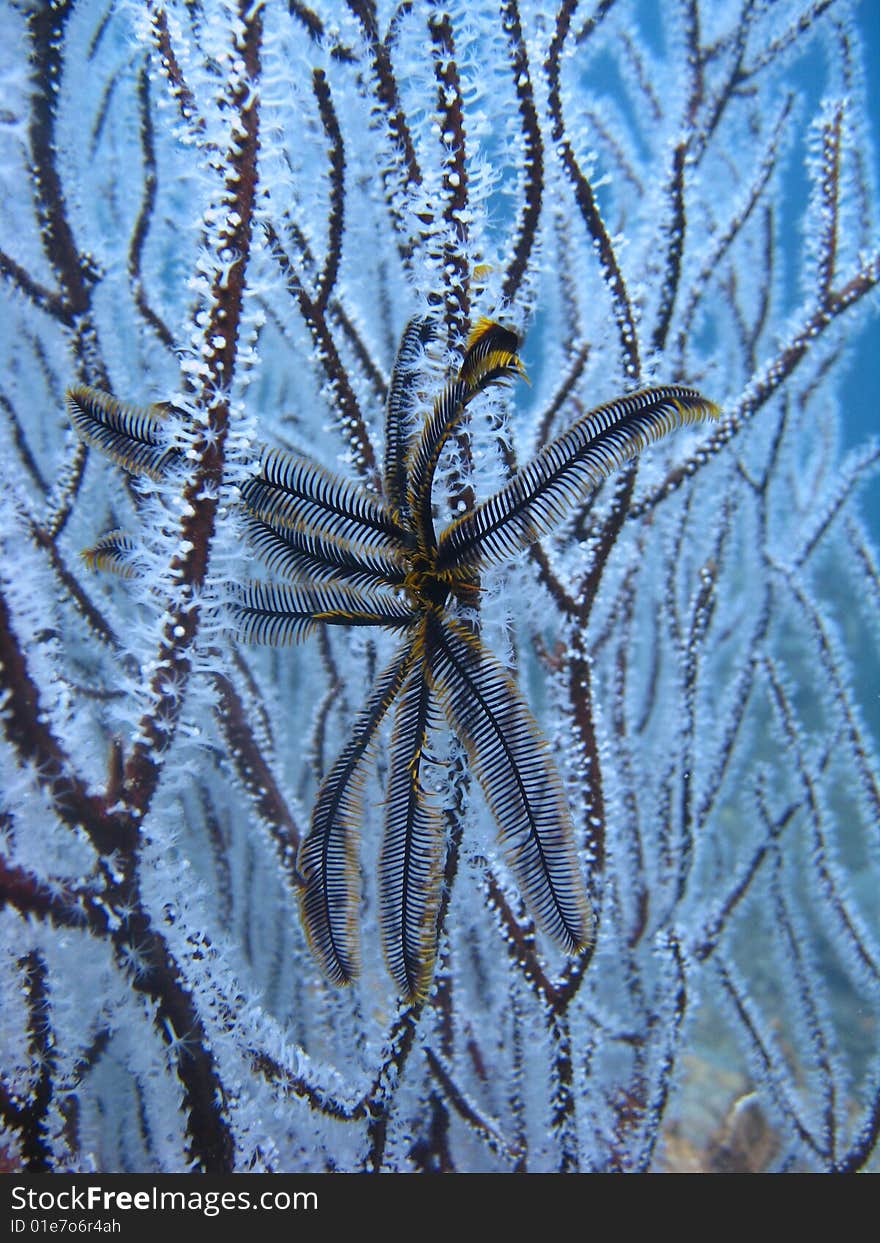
[{"x": 439, "y": 586}]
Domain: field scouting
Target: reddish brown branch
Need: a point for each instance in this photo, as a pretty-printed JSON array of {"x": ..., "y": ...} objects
[
  {"x": 336, "y": 214},
  {"x": 526, "y": 231},
  {"x": 346, "y": 407},
  {"x": 145, "y": 215},
  {"x": 226, "y": 303},
  {"x": 26, "y": 727},
  {"x": 585, "y": 198}
]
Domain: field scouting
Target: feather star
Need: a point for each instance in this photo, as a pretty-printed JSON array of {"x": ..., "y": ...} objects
[{"x": 354, "y": 558}]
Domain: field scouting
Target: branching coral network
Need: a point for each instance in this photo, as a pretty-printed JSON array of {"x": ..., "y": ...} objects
[{"x": 231, "y": 216}]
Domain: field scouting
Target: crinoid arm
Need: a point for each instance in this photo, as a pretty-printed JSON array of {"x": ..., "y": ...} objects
[
  {"x": 400, "y": 410},
  {"x": 134, "y": 437},
  {"x": 513, "y": 764},
  {"x": 413, "y": 847},
  {"x": 328, "y": 854},
  {"x": 282, "y": 614},
  {"x": 564, "y": 472},
  {"x": 301, "y": 555},
  {"x": 290, "y": 491},
  {"x": 114, "y": 553},
  {"x": 490, "y": 357}
]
